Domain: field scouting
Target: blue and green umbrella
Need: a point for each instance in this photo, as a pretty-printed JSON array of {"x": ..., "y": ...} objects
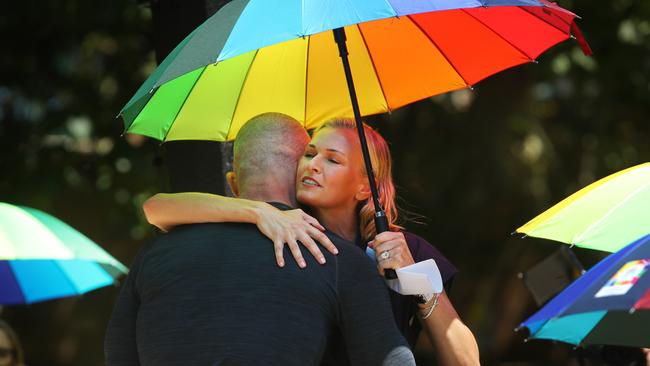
[
  {"x": 43, "y": 258},
  {"x": 609, "y": 304}
]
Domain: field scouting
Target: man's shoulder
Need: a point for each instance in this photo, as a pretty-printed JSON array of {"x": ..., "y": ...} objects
[
  {"x": 199, "y": 238},
  {"x": 209, "y": 230},
  {"x": 344, "y": 246},
  {"x": 349, "y": 254},
  {"x": 211, "y": 226}
]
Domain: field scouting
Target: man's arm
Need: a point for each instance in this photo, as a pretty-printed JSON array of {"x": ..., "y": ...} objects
[
  {"x": 120, "y": 344},
  {"x": 368, "y": 325}
]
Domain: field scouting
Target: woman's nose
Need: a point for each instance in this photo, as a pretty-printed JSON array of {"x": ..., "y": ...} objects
[{"x": 314, "y": 164}]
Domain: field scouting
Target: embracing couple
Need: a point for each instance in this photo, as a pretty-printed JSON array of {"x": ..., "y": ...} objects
[{"x": 210, "y": 293}]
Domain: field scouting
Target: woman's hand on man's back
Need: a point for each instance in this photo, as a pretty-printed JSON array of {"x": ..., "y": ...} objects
[{"x": 290, "y": 228}]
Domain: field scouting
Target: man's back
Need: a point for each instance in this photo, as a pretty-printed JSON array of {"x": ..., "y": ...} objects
[{"x": 211, "y": 294}]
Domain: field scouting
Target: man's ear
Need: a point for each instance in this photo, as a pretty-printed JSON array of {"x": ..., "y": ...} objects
[{"x": 231, "y": 178}]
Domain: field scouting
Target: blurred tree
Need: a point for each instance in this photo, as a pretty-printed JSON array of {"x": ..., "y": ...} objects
[
  {"x": 476, "y": 164},
  {"x": 197, "y": 166}
]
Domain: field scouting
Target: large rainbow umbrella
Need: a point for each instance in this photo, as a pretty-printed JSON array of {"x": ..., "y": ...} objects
[
  {"x": 43, "y": 258},
  {"x": 257, "y": 56},
  {"x": 253, "y": 57},
  {"x": 609, "y": 304},
  {"x": 605, "y": 215}
]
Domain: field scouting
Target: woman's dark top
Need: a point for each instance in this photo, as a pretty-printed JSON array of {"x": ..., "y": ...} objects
[{"x": 404, "y": 308}]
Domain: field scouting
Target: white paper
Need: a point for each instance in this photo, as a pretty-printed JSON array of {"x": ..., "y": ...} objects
[{"x": 419, "y": 278}]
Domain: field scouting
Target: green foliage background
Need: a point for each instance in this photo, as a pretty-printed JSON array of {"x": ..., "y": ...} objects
[{"x": 475, "y": 164}]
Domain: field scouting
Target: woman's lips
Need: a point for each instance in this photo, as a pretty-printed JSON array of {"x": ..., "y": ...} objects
[{"x": 310, "y": 182}]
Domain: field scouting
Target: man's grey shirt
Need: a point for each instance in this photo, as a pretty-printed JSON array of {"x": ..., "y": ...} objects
[{"x": 212, "y": 294}]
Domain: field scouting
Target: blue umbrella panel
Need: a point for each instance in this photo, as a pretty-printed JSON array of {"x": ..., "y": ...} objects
[
  {"x": 30, "y": 281},
  {"x": 609, "y": 304}
]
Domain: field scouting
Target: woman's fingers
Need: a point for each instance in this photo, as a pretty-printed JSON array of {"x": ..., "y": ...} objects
[
  {"x": 391, "y": 251},
  {"x": 321, "y": 238},
  {"x": 278, "y": 247},
  {"x": 311, "y": 245},
  {"x": 313, "y": 222},
  {"x": 295, "y": 251},
  {"x": 291, "y": 227}
]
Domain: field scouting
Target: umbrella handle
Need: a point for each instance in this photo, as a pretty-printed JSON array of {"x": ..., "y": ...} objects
[
  {"x": 381, "y": 225},
  {"x": 381, "y": 221}
]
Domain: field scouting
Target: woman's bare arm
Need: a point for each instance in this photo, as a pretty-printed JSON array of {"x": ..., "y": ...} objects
[
  {"x": 166, "y": 210},
  {"x": 453, "y": 340}
]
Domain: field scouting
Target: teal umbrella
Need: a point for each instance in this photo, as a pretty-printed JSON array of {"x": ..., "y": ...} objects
[{"x": 43, "y": 258}]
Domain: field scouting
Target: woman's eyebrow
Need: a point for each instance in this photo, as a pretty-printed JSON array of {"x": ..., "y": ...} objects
[
  {"x": 335, "y": 151},
  {"x": 328, "y": 150}
]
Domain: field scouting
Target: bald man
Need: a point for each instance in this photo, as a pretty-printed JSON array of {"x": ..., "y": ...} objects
[{"x": 211, "y": 294}]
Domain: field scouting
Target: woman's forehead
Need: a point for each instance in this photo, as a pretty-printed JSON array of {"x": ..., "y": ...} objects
[{"x": 343, "y": 140}]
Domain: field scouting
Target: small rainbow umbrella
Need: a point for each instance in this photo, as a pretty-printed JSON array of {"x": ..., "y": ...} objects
[
  {"x": 609, "y": 304},
  {"x": 43, "y": 258},
  {"x": 606, "y": 215}
]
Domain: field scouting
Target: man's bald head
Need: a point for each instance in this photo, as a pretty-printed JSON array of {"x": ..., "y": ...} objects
[{"x": 266, "y": 153}]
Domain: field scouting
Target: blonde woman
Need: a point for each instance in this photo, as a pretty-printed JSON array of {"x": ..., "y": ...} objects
[{"x": 332, "y": 186}]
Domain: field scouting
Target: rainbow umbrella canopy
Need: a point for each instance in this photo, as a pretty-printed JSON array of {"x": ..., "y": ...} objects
[
  {"x": 606, "y": 215},
  {"x": 43, "y": 258},
  {"x": 258, "y": 56},
  {"x": 609, "y": 304}
]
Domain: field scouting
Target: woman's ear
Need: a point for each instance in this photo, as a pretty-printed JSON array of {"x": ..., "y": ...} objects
[
  {"x": 231, "y": 178},
  {"x": 364, "y": 191}
]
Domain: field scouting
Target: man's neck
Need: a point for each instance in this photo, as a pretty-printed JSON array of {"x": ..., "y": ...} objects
[
  {"x": 271, "y": 194},
  {"x": 273, "y": 188},
  {"x": 270, "y": 198}
]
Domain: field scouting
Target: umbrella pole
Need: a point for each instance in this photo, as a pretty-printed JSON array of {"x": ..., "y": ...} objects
[{"x": 381, "y": 221}]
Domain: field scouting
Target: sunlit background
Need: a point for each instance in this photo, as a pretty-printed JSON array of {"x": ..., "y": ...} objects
[{"x": 473, "y": 164}]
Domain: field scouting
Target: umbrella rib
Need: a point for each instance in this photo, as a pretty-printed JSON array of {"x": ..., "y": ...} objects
[
  {"x": 498, "y": 34},
  {"x": 374, "y": 68},
  {"x": 439, "y": 50},
  {"x": 184, "y": 101},
  {"x": 304, "y": 114},
  {"x": 76, "y": 289},
  {"x": 611, "y": 211},
  {"x": 243, "y": 85},
  {"x": 524, "y": 8}
]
